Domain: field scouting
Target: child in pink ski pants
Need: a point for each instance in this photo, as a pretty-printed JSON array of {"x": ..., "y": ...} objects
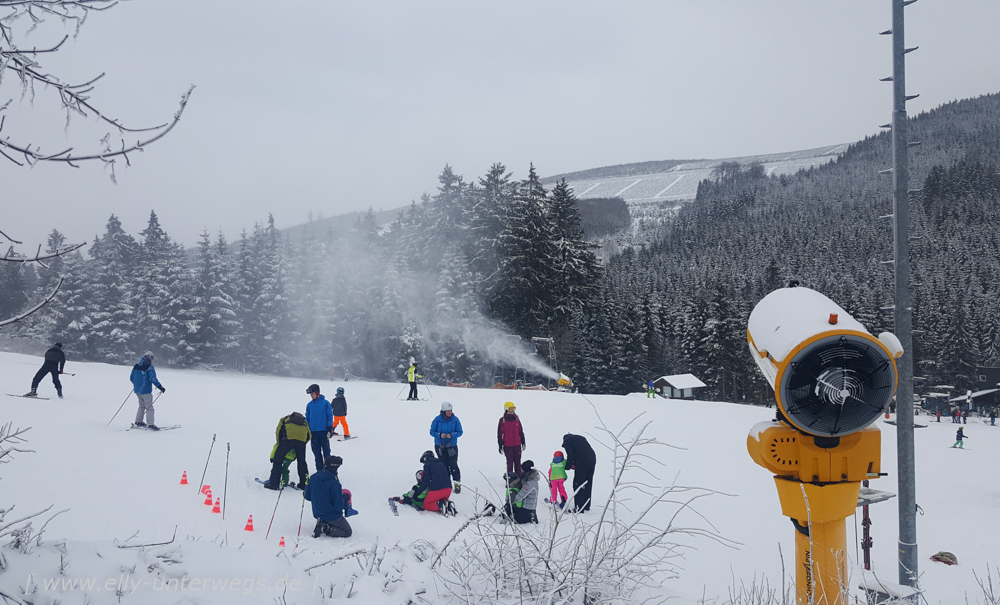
[{"x": 557, "y": 478}]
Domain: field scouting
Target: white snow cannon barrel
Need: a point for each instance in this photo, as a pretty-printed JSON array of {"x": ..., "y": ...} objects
[{"x": 830, "y": 376}]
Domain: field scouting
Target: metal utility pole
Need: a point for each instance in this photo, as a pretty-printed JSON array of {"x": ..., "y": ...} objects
[{"x": 902, "y": 309}]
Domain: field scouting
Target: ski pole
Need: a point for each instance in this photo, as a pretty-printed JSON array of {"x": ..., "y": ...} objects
[
  {"x": 400, "y": 392},
  {"x": 225, "y": 485},
  {"x": 428, "y": 389},
  {"x": 120, "y": 407},
  {"x": 281, "y": 489},
  {"x": 302, "y": 510},
  {"x": 206, "y": 464}
]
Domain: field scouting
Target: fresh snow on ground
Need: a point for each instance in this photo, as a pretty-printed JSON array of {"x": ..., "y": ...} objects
[{"x": 122, "y": 488}]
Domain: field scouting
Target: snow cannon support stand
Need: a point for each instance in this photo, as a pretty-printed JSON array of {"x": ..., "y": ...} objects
[{"x": 832, "y": 380}]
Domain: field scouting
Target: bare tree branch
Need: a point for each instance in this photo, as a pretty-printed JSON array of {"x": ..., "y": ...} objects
[
  {"x": 47, "y": 300},
  {"x": 74, "y": 97},
  {"x": 17, "y": 258}
]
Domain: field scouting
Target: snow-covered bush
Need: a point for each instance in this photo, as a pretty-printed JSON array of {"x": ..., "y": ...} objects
[{"x": 617, "y": 553}]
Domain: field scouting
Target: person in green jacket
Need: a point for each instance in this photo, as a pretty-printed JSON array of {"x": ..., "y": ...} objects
[
  {"x": 287, "y": 462},
  {"x": 557, "y": 478},
  {"x": 292, "y": 434}
]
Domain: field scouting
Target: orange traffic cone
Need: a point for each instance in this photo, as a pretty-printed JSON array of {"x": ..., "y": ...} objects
[
  {"x": 208, "y": 497},
  {"x": 206, "y": 488},
  {"x": 249, "y": 526},
  {"x": 216, "y": 509},
  {"x": 184, "y": 478},
  {"x": 282, "y": 543}
]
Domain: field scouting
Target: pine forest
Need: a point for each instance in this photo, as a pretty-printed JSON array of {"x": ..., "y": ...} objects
[{"x": 455, "y": 278}]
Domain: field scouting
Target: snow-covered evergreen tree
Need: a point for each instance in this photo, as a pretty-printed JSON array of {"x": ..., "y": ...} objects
[{"x": 111, "y": 305}]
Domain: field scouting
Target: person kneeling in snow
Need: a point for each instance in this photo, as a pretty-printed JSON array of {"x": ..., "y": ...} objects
[
  {"x": 437, "y": 483},
  {"x": 522, "y": 496},
  {"x": 327, "y": 497}
]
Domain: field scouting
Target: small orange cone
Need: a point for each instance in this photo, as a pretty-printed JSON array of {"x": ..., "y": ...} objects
[
  {"x": 184, "y": 478},
  {"x": 206, "y": 488},
  {"x": 249, "y": 526},
  {"x": 282, "y": 543},
  {"x": 208, "y": 497},
  {"x": 216, "y": 509},
  {"x": 887, "y": 415}
]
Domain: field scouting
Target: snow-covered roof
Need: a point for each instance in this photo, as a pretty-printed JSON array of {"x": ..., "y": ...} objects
[
  {"x": 976, "y": 394},
  {"x": 683, "y": 381}
]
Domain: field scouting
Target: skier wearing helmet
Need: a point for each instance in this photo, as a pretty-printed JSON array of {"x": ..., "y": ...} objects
[
  {"x": 446, "y": 429},
  {"x": 436, "y": 483},
  {"x": 510, "y": 438},
  {"x": 339, "y": 405}
]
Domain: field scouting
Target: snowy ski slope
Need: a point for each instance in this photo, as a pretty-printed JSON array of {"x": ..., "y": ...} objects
[{"x": 121, "y": 488}]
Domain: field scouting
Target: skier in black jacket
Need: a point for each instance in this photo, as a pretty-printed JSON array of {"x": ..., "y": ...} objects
[
  {"x": 55, "y": 361},
  {"x": 580, "y": 457}
]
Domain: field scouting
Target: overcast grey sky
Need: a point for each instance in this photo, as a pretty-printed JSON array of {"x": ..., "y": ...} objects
[{"x": 333, "y": 106}]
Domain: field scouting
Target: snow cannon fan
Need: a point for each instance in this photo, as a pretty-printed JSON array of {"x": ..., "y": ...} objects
[
  {"x": 830, "y": 376},
  {"x": 832, "y": 379}
]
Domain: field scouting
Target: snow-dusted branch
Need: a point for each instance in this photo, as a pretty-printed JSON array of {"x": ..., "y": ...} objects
[
  {"x": 47, "y": 300},
  {"x": 172, "y": 538},
  {"x": 74, "y": 98},
  {"x": 9, "y": 440},
  {"x": 13, "y": 257},
  {"x": 622, "y": 555}
]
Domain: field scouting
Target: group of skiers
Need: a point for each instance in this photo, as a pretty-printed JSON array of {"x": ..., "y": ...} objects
[
  {"x": 438, "y": 479},
  {"x": 441, "y": 476},
  {"x": 331, "y": 503}
]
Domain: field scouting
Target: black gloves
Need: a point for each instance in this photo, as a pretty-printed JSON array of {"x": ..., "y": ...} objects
[
  {"x": 500, "y": 449},
  {"x": 162, "y": 389}
]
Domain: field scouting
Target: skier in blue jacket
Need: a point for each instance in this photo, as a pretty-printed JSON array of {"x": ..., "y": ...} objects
[
  {"x": 446, "y": 429},
  {"x": 143, "y": 379},
  {"x": 319, "y": 415},
  {"x": 326, "y": 494}
]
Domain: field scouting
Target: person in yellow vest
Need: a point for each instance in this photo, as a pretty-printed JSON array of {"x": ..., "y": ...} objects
[{"x": 411, "y": 377}]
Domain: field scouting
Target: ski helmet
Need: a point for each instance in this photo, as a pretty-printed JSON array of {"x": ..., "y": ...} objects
[
  {"x": 527, "y": 466},
  {"x": 333, "y": 463},
  {"x": 446, "y": 407},
  {"x": 148, "y": 355},
  {"x": 340, "y": 390},
  {"x": 313, "y": 388},
  {"x": 509, "y": 405},
  {"x": 419, "y": 476},
  {"x": 426, "y": 456},
  {"x": 59, "y": 344},
  {"x": 558, "y": 454}
]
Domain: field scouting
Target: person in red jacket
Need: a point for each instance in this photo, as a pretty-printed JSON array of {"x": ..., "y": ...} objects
[{"x": 510, "y": 438}]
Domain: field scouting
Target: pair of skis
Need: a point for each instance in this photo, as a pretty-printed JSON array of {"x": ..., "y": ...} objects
[
  {"x": 290, "y": 484},
  {"x": 451, "y": 511},
  {"x": 171, "y": 427}
]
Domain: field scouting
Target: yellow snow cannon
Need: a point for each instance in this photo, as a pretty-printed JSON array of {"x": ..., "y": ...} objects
[
  {"x": 832, "y": 379},
  {"x": 564, "y": 381}
]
